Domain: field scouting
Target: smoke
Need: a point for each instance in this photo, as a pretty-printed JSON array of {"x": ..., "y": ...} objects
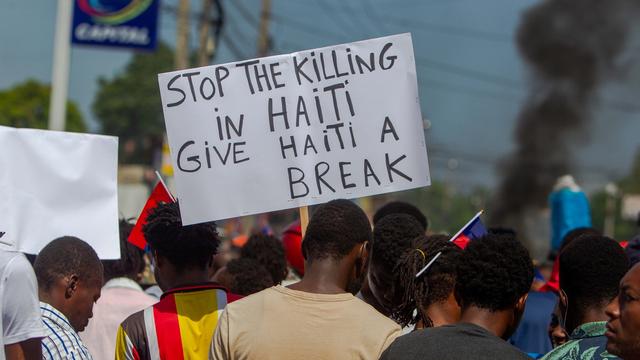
[{"x": 570, "y": 46}]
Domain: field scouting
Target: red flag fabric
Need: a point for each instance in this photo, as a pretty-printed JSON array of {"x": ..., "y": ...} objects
[{"x": 159, "y": 194}]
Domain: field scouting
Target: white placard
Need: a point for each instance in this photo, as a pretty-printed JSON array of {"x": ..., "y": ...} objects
[
  {"x": 294, "y": 130},
  {"x": 54, "y": 184}
]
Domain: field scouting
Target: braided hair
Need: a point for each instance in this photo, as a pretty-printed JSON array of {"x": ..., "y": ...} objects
[{"x": 433, "y": 286}]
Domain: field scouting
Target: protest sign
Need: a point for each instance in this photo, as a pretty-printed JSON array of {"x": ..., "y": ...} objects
[
  {"x": 294, "y": 130},
  {"x": 54, "y": 184}
]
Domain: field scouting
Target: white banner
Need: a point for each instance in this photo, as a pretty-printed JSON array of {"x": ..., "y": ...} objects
[
  {"x": 294, "y": 130},
  {"x": 54, "y": 184}
]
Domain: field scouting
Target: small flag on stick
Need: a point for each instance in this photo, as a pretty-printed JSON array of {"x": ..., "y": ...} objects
[
  {"x": 159, "y": 194},
  {"x": 474, "y": 229}
]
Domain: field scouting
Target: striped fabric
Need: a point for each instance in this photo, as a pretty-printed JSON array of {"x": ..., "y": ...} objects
[
  {"x": 180, "y": 326},
  {"x": 62, "y": 341}
]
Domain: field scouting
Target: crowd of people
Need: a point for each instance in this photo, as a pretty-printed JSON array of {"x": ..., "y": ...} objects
[{"x": 347, "y": 289}]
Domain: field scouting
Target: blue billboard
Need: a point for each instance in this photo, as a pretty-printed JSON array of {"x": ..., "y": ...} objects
[{"x": 115, "y": 23}]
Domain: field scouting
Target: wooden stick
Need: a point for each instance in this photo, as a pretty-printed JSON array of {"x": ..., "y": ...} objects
[{"x": 304, "y": 219}]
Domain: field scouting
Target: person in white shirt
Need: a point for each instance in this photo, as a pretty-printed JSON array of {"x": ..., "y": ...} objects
[
  {"x": 70, "y": 279},
  {"x": 21, "y": 324}
]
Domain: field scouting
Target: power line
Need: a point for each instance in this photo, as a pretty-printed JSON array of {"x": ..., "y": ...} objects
[
  {"x": 470, "y": 73},
  {"x": 332, "y": 14},
  {"x": 372, "y": 14},
  {"x": 429, "y": 83},
  {"x": 306, "y": 28},
  {"x": 246, "y": 13},
  {"x": 451, "y": 30},
  {"x": 354, "y": 14}
]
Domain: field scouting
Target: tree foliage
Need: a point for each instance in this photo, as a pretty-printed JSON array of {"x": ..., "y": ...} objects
[
  {"x": 446, "y": 209},
  {"x": 26, "y": 105},
  {"x": 128, "y": 105},
  {"x": 624, "y": 229}
]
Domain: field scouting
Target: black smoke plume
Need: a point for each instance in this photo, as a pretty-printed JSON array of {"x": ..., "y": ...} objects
[{"x": 570, "y": 47}]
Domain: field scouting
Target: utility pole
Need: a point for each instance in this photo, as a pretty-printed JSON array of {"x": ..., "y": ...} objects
[
  {"x": 205, "y": 44},
  {"x": 60, "y": 71},
  {"x": 182, "y": 40},
  {"x": 263, "y": 36}
]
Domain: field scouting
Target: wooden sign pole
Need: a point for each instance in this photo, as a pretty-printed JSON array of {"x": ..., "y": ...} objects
[{"x": 304, "y": 219}]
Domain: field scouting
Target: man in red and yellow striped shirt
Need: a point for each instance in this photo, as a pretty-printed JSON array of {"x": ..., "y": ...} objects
[{"x": 181, "y": 325}]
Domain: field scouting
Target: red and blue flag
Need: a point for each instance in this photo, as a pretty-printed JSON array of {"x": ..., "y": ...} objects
[{"x": 474, "y": 229}]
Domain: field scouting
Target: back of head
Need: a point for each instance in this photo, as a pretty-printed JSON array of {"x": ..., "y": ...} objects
[
  {"x": 268, "y": 251},
  {"x": 248, "y": 276},
  {"x": 67, "y": 256},
  {"x": 401, "y": 207},
  {"x": 591, "y": 268},
  {"x": 186, "y": 247},
  {"x": 131, "y": 262},
  {"x": 392, "y": 235},
  {"x": 494, "y": 272},
  {"x": 576, "y": 234},
  {"x": 334, "y": 230},
  {"x": 433, "y": 286}
]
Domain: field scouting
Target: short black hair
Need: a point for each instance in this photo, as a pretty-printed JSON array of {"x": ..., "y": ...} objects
[
  {"x": 67, "y": 256},
  {"x": 591, "y": 268},
  {"x": 494, "y": 272},
  {"x": 186, "y": 247},
  {"x": 268, "y": 251},
  {"x": 131, "y": 262},
  {"x": 576, "y": 234},
  {"x": 570, "y": 237},
  {"x": 433, "y": 286},
  {"x": 334, "y": 230},
  {"x": 248, "y": 276},
  {"x": 401, "y": 207},
  {"x": 392, "y": 236}
]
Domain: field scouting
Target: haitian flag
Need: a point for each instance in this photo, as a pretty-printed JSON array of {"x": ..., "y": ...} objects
[
  {"x": 159, "y": 194},
  {"x": 474, "y": 229}
]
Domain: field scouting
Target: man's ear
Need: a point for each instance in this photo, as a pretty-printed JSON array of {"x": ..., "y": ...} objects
[
  {"x": 564, "y": 299},
  {"x": 71, "y": 285},
  {"x": 159, "y": 260},
  {"x": 522, "y": 301},
  {"x": 364, "y": 254}
]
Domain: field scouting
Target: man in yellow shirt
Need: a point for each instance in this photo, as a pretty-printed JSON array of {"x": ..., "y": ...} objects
[{"x": 315, "y": 318}]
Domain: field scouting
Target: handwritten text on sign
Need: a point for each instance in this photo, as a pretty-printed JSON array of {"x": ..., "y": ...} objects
[{"x": 293, "y": 130}]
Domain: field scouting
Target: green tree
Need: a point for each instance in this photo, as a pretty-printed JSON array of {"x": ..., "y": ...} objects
[
  {"x": 26, "y": 105},
  {"x": 630, "y": 184},
  {"x": 446, "y": 209},
  {"x": 128, "y": 105}
]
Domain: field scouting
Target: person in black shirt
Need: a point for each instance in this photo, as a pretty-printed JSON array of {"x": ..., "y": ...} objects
[{"x": 494, "y": 277}]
